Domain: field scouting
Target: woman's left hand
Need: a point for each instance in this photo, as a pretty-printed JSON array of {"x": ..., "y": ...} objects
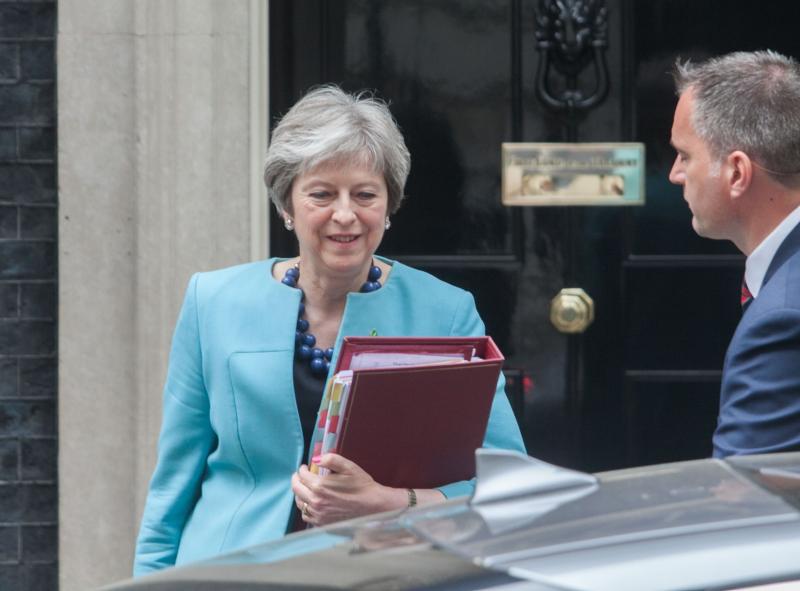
[{"x": 347, "y": 491}]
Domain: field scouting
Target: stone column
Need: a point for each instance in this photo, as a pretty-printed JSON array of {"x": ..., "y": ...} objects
[{"x": 162, "y": 127}]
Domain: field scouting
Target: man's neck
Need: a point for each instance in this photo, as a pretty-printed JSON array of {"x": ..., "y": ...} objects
[{"x": 765, "y": 213}]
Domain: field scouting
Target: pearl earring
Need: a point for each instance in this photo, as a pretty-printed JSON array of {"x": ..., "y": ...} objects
[
  {"x": 388, "y": 223},
  {"x": 288, "y": 224}
]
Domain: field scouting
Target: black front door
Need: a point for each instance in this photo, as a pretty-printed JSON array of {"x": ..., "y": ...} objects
[{"x": 641, "y": 384}]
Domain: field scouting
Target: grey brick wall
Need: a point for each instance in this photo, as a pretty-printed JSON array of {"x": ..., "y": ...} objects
[{"x": 28, "y": 300}]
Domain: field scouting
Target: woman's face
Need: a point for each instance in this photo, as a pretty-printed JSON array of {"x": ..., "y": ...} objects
[{"x": 339, "y": 212}]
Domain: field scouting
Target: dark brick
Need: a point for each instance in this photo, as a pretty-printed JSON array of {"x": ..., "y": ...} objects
[
  {"x": 10, "y": 503},
  {"x": 29, "y": 503},
  {"x": 37, "y": 60},
  {"x": 40, "y": 503},
  {"x": 38, "y": 377},
  {"x": 10, "y": 577},
  {"x": 39, "y": 543},
  {"x": 9, "y": 460},
  {"x": 30, "y": 103},
  {"x": 39, "y": 459},
  {"x": 28, "y": 446},
  {"x": 37, "y": 143},
  {"x": 8, "y": 143},
  {"x": 9, "y": 62},
  {"x": 26, "y": 20},
  {"x": 29, "y": 183},
  {"x": 27, "y": 418},
  {"x": 38, "y": 300},
  {"x": 9, "y": 307},
  {"x": 27, "y": 337},
  {"x": 8, "y": 377},
  {"x": 37, "y": 222},
  {"x": 9, "y": 543},
  {"x": 41, "y": 577},
  {"x": 8, "y": 221},
  {"x": 27, "y": 260}
]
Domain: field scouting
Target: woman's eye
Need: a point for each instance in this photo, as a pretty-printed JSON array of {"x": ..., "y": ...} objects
[
  {"x": 319, "y": 194},
  {"x": 366, "y": 195}
]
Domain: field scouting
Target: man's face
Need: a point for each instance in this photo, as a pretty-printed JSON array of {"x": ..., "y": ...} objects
[{"x": 699, "y": 175}]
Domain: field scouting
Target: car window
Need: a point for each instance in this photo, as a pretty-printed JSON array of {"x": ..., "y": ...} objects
[
  {"x": 662, "y": 501},
  {"x": 780, "y": 480},
  {"x": 380, "y": 555},
  {"x": 782, "y": 586}
]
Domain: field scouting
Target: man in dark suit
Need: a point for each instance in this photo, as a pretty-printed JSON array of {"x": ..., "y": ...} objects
[{"x": 737, "y": 134}]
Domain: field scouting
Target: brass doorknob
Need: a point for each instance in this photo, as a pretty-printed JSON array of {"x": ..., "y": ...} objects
[{"x": 572, "y": 310}]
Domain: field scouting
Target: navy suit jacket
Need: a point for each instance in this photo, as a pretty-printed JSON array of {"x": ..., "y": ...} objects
[{"x": 760, "y": 397}]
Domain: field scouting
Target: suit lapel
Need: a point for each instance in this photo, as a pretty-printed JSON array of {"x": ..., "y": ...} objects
[{"x": 789, "y": 246}]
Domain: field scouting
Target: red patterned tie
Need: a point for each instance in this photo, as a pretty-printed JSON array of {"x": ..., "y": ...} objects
[{"x": 746, "y": 295}]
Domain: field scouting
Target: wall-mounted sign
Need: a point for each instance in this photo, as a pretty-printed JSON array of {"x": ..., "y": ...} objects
[{"x": 573, "y": 174}]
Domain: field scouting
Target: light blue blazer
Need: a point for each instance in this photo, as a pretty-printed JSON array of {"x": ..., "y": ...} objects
[{"x": 231, "y": 437}]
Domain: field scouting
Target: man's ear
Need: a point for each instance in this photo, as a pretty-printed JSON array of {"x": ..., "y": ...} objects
[{"x": 739, "y": 172}]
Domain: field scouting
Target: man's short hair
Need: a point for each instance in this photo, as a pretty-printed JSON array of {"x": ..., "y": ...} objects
[{"x": 748, "y": 101}]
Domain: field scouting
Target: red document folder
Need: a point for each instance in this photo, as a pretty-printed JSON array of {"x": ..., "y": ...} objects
[{"x": 418, "y": 426}]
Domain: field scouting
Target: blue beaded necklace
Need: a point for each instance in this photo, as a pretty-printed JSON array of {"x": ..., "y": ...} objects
[{"x": 304, "y": 341}]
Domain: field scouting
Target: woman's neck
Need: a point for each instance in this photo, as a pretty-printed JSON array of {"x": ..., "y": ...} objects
[
  {"x": 325, "y": 300},
  {"x": 328, "y": 292}
]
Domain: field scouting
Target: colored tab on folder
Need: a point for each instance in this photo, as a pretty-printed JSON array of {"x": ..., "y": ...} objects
[{"x": 336, "y": 405}]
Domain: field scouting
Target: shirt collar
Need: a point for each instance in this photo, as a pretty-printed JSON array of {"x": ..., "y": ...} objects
[{"x": 759, "y": 260}]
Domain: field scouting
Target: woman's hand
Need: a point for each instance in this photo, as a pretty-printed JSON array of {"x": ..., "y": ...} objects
[{"x": 346, "y": 492}]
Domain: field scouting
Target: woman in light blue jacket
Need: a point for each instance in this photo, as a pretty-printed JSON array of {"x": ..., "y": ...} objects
[{"x": 254, "y": 344}]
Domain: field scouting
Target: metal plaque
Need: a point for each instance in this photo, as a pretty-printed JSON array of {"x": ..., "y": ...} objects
[{"x": 573, "y": 174}]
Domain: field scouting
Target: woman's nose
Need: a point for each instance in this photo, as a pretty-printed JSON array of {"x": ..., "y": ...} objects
[{"x": 343, "y": 210}]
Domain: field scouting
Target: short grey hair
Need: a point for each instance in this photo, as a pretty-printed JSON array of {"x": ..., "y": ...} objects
[
  {"x": 748, "y": 101},
  {"x": 330, "y": 125}
]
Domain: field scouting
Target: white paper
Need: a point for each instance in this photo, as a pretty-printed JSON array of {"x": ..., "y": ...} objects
[{"x": 373, "y": 359}]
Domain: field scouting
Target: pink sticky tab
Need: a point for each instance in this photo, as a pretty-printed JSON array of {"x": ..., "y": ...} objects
[
  {"x": 334, "y": 424},
  {"x": 315, "y": 459},
  {"x": 323, "y": 416},
  {"x": 317, "y": 449}
]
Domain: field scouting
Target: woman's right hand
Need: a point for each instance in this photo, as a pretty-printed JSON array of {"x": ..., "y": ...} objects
[{"x": 347, "y": 491}]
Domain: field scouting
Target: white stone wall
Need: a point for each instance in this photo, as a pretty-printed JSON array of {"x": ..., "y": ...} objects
[{"x": 161, "y": 130}]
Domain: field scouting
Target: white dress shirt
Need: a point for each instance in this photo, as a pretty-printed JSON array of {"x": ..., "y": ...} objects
[{"x": 759, "y": 260}]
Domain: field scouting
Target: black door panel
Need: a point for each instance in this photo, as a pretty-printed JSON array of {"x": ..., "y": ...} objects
[{"x": 460, "y": 79}]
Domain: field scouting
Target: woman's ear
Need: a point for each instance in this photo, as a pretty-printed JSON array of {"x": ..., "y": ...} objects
[
  {"x": 740, "y": 173},
  {"x": 288, "y": 222}
]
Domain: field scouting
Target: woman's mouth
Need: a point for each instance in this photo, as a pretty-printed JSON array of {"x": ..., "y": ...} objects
[{"x": 344, "y": 239}]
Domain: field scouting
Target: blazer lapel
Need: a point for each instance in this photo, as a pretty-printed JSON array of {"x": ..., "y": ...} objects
[{"x": 789, "y": 246}]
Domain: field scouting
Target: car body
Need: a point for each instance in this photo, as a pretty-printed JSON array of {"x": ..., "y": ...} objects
[{"x": 705, "y": 524}]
